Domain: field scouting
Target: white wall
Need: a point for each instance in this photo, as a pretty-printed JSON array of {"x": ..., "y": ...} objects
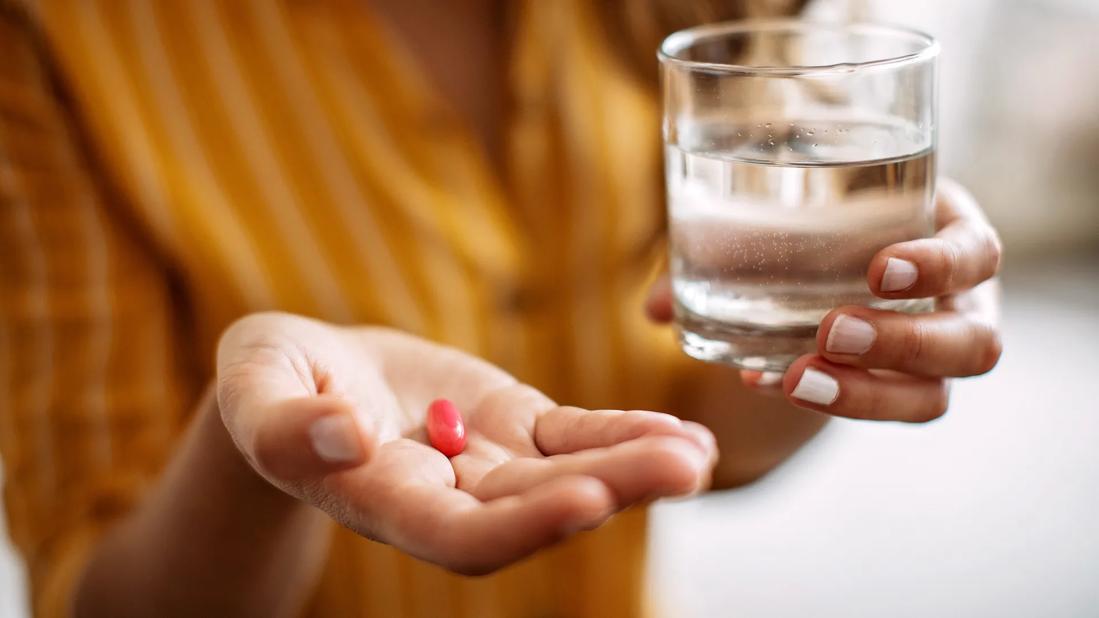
[
  {"x": 988, "y": 512},
  {"x": 13, "y": 597},
  {"x": 1019, "y": 109}
]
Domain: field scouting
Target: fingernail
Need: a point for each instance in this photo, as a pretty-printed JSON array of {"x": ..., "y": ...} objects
[
  {"x": 816, "y": 387},
  {"x": 899, "y": 275},
  {"x": 584, "y": 524},
  {"x": 769, "y": 378},
  {"x": 335, "y": 439},
  {"x": 849, "y": 335}
]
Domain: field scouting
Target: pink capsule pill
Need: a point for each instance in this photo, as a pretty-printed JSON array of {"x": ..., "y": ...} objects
[{"x": 445, "y": 429}]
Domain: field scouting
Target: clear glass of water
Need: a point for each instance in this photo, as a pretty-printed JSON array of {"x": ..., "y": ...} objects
[{"x": 794, "y": 152}]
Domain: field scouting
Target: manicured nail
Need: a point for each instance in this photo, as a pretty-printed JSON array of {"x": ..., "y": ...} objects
[
  {"x": 816, "y": 387},
  {"x": 335, "y": 439},
  {"x": 899, "y": 275},
  {"x": 849, "y": 335},
  {"x": 769, "y": 378}
]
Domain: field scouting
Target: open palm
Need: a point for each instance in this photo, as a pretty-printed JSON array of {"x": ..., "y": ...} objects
[{"x": 532, "y": 472}]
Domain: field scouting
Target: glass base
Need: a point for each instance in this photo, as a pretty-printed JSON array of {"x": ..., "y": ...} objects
[
  {"x": 757, "y": 347},
  {"x": 771, "y": 349}
]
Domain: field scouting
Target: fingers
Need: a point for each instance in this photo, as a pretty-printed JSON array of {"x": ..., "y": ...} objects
[
  {"x": 269, "y": 404},
  {"x": 302, "y": 439},
  {"x": 704, "y": 438},
  {"x": 812, "y": 382},
  {"x": 477, "y": 538},
  {"x": 658, "y": 305},
  {"x": 406, "y": 497},
  {"x": 965, "y": 251},
  {"x": 642, "y": 469},
  {"x": 566, "y": 429},
  {"x": 944, "y": 343}
]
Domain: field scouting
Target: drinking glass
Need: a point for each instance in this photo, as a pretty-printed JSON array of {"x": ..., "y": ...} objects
[{"x": 794, "y": 152}]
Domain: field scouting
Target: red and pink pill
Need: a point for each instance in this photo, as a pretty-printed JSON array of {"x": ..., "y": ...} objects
[{"x": 445, "y": 429}]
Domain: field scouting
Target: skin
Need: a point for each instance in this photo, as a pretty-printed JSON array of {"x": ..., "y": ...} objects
[
  {"x": 904, "y": 375},
  {"x": 241, "y": 513},
  {"x": 238, "y": 523}
]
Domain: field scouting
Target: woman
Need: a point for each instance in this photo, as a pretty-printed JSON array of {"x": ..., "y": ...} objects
[{"x": 475, "y": 186}]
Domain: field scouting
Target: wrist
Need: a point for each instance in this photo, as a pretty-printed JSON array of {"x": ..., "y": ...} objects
[{"x": 211, "y": 520}]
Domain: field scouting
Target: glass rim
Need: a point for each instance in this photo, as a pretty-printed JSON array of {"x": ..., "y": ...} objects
[{"x": 683, "y": 39}]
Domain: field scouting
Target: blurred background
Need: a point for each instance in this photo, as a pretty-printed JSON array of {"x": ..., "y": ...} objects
[{"x": 991, "y": 510}]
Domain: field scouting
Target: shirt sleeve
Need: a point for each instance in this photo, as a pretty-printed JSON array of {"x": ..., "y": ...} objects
[{"x": 93, "y": 385}]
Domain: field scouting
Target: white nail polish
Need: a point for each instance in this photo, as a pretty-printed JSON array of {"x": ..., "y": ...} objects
[
  {"x": 816, "y": 387},
  {"x": 899, "y": 275},
  {"x": 334, "y": 439},
  {"x": 769, "y": 378},
  {"x": 850, "y": 335}
]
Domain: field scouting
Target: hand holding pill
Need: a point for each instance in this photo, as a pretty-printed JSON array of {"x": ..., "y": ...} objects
[{"x": 434, "y": 451}]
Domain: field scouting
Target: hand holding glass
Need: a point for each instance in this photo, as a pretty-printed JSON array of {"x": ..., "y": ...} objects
[{"x": 794, "y": 153}]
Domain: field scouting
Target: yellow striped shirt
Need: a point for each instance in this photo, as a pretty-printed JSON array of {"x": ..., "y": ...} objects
[{"x": 166, "y": 167}]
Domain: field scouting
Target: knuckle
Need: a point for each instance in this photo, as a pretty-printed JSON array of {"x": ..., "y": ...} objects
[
  {"x": 913, "y": 348},
  {"x": 950, "y": 261}
]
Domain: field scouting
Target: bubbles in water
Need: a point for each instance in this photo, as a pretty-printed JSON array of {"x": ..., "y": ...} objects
[
  {"x": 768, "y": 125},
  {"x": 748, "y": 253}
]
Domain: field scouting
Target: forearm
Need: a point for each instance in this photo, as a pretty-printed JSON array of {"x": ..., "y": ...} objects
[
  {"x": 212, "y": 538},
  {"x": 755, "y": 432}
]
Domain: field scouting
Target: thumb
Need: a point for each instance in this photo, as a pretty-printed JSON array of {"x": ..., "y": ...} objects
[
  {"x": 269, "y": 402},
  {"x": 306, "y": 438}
]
